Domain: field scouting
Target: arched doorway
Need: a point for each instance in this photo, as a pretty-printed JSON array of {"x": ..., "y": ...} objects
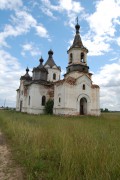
[{"x": 83, "y": 106}]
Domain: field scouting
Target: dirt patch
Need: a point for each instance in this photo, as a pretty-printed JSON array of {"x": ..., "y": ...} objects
[{"x": 8, "y": 169}]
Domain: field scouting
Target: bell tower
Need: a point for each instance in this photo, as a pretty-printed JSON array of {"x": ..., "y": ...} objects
[{"x": 77, "y": 54}]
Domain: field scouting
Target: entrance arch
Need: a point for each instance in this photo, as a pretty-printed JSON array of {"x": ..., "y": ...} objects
[{"x": 83, "y": 106}]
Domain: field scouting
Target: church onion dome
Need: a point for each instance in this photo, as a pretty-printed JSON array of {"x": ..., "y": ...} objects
[
  {"x": 77, "y": 43},
  {"x": 26, "y": 76},
  {"x": 77, "y": 27},
  {"x": 40, "y": 67},
  {"x": 41, "y": 60},
  {"x": 50, "y": 52},
  {"x": 50, "y": 62}
]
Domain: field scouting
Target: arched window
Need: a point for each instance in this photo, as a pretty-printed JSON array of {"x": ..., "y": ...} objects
[
  {"x": 82, "y": 57},
  {"x": 54, "y": 76},
  {"x": 71, "y": 58},
  {"x": 43, "y": 100},
  {"x": 29, "y": 100},
  {"x": 59, "y": 99},
  {"x": 83, "y": 86}
]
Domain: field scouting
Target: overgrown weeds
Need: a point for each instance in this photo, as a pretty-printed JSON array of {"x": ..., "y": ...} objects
[{"x": 65, "y": 148}]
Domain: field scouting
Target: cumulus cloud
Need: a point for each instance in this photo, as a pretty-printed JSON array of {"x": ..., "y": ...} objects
[
  {"x": 9, "y": 4},
  {"x": 70, "y": 7},
  {"x": 10, "y": 72},
  {"x": 22, "y": 23},
  {"x": 108, "y": 79},
  {"x": 30, "y": 48},
  {"x": 48, "y": 12},
  {"x": 102, "y": 25},
  {"x": 103, "y": 20},
  {"x": 97, "y": 45},
  {"x": 118, "y": 41}
]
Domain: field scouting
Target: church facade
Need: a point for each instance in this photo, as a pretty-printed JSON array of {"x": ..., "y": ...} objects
[{"x": 75, "y": 94}]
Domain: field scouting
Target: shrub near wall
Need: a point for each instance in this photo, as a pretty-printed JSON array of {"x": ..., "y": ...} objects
[{"x": 49, "y": 107}]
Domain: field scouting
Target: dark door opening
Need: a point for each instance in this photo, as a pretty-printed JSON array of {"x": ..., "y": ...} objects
[
  {"x": 81, "y": 110},
  {"x": 83, "y": 106}
]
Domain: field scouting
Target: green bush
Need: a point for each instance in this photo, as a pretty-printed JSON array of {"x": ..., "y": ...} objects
[{"x": 49, "y": 107}]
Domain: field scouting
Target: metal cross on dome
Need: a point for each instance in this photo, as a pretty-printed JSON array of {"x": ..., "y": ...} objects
[{"x": 77, "y": 20}]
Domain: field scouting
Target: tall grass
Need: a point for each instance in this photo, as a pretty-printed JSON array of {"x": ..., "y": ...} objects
[{"x": 65, "y": 148}]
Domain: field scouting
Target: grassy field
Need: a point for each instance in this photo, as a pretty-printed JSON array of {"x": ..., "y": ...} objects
[{"x": 65, "y": 148}]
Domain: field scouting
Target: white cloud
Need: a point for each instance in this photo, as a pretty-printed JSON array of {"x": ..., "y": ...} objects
[
  {"x": 41, "y": 31},
  {"x": 102, "y": 27},
  {"x": 22, "y": 23},
  {"x": 96, "y": 45},
  {"x": 30, "y": 48},
  {"x": 48, "y": 12},
  {"x": 10, "y": 4},
  {"x": 10, "y": 72},
  {"x": 109, "y": 80},
  {"x": 47, "y": 3},
  {"x": 114, "y": 59},
  {"x": 71, "y": 7},
  {"x": 118, "y": 41},
  {"x": 102, "y": 21}
]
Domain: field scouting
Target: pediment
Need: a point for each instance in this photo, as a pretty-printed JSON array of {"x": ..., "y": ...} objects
[
  {"x": 55, "y": 67},
  {"x": 47, "y": 66},
  {"x": 84, "y": 79}
]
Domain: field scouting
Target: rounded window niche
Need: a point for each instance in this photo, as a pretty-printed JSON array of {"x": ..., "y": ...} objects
[
  {"x": 71, "y": 58},
  {"x": 82, "y": 57},
  {"x": 54, "y": 76}
]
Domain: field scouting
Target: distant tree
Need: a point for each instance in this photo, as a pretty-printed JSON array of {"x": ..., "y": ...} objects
[{"x": 106, "y": 110}]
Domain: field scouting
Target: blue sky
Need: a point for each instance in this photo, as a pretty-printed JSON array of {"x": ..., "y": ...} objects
[{"x": 29, "y": 28}]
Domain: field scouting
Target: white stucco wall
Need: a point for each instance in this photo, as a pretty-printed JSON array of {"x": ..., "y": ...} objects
[
  {"x": 51, "y": 71},
  {"x": 17, "y": 100},
  {"x": 72, "y": 94},
  {"x": 35, "y": 91},
  {"x": 95, "y": 108},
  {"x": 20, "y": 97}
]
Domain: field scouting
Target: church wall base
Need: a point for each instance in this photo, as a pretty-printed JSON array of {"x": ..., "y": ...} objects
[{"x": 35, "y": 111}]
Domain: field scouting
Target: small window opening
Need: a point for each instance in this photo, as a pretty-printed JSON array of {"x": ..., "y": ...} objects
[
  {"x": 71, "y": 57},
  {"x": 43, "y": 100},
  {"x": 82, "y": 57},
  {"x": 59, "y": 99},
  {"x": 29, "y": 100},
  {"x": 83, "y": 86},
  {"x": 68, "y": 70},
  {"x": 54, "y": 76}
]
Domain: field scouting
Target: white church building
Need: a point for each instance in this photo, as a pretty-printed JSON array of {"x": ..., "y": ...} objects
[{"x": 73, "y": 95}]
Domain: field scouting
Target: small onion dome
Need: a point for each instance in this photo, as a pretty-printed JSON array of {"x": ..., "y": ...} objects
[
  {"x": 77, "y": 27},
  {"x": 50, "y": 52},
  {"x": 26, "y": 76},
  {"x": 41, "y": 60},
  {"x": 27, "y": 70}
]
